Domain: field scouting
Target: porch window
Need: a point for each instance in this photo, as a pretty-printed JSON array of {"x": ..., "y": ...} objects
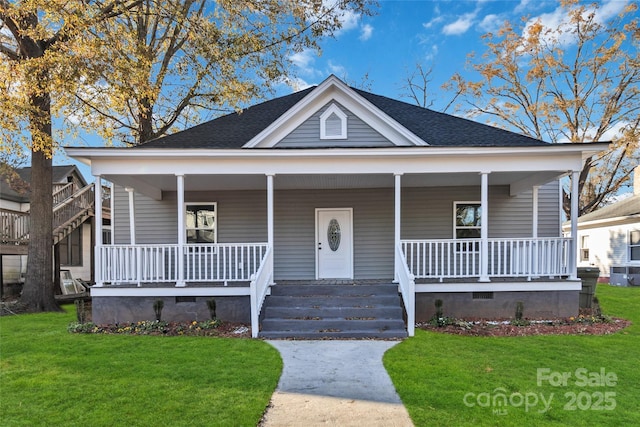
[
  {"x": 466, "y": 223},
  {"x": 634, "y": 245},
  {"x": 201, "y": 222},
  {"x": 584, "y": 248}
]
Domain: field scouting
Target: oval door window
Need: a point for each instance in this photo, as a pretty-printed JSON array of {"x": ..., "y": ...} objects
[{"x": 333, "y": 234}]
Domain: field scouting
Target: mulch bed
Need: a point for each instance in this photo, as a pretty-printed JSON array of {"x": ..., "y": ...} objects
[{"x": 581, "y": 325}]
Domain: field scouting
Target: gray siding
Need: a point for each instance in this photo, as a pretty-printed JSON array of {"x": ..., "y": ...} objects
[
  {"x": 359, "y": 134},
  {"x": 372, "y": 231},
  {"x": 427, "y": 213}
]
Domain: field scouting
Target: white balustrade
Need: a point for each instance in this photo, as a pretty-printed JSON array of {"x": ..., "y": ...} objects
[
  {"x": 159, "y": 263},
  {"x": 460, "y": 258}
]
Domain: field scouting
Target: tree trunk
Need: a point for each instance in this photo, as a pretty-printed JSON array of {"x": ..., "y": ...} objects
[{"x": 38, "y": 291}]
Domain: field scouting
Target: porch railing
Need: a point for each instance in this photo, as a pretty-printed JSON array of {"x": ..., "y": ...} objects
[
  {"x": 159, "y": 263},
  {"x": 460, "y": 258},
  {"x": 260, "y": 282},
  {"x": 407, "y": 285}
]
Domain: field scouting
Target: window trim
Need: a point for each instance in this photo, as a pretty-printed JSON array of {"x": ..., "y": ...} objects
[
  {"x": 584, "y": 250},
  {"x": 333, "y": 109},
  {"x": 459, "y": 247},
  {"x": 215, "y": 222},
  {"x": 630, "y": 246}
]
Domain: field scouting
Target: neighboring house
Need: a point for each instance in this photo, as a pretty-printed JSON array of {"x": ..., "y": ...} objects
[
  {"x": 609, "y": 239},
  {"x": 336, "y": 185},
  {"x": 72, "y": 229}
]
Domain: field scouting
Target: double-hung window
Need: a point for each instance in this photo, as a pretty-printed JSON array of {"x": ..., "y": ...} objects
[
  {"x": 584, "y": 248},
  {"x": 634, "y": 245},
  {"x": 467, "y": 224},
  {"x": 201, "y": 222}
]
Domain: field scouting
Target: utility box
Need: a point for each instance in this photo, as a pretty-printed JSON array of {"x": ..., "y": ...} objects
[{"x": 624, "y": 275}]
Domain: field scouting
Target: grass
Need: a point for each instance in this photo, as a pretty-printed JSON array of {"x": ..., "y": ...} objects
[
  {"x": 434, "y": 373},
  {"x": 49, "y": 377}
]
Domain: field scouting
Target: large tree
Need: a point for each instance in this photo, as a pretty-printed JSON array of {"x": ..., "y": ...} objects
[
  {"x": 577, "y": 81},
  {"x": 41, "y": 43},
  {"x": 171, "y": 63}
]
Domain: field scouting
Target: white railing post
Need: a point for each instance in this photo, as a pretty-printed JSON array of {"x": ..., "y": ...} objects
[
  {"x": 484, "y": 228},
  {"x": 573, "y": 252},
  {"x": 181, "y": 229},
  {"x": 97, "y": 264}
]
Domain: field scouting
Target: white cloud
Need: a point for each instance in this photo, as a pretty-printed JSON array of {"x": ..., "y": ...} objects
[
  {"x": 336, "y": 69},
  {"x": 366, "y": 31},
  {"x": 460, "y": 26},
  {"x": 433, "y": 22},
  {"x": 559, "y": 18},
  {"x": 305, "y": 60},
  {"x": 491, "y": 23},
  {"x": 523, "y": 6}
]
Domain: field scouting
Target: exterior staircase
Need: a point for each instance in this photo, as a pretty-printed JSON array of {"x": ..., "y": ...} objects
[
  {"x": 301, "y": 310},
  {"x": 71, "y": 208}
]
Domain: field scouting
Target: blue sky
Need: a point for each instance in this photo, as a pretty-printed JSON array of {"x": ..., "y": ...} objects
[
  {"x": 440, "y": 34},
  {"x": 387, "y": 46}
]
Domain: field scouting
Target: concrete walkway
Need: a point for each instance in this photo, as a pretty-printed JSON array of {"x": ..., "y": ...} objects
[{"x": 335, "y": 383}]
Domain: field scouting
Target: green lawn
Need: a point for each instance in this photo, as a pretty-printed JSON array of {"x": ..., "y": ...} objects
[
  {"x": 447, "y": 380},
  {"x": 49, "y": 377}
]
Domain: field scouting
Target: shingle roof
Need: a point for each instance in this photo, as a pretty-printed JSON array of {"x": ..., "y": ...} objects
[
  {"x": 233, "y": 130},
  {"x": 21, "y": 193},
  {"x": 626, "y": 207},
  {"x": 437, "y": 129}
]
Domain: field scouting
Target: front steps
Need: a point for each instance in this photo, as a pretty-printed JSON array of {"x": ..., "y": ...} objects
[{"x": 342, "y": 311}]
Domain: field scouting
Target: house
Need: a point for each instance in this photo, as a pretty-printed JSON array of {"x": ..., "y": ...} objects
[
  {"x": 336, "y": 185},
  {"x": 73, "y": 229},
  {"x": 609, "y": 239}
]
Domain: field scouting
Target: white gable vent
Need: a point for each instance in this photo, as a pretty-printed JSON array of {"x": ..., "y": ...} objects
[{"x": 333, "y": 123}]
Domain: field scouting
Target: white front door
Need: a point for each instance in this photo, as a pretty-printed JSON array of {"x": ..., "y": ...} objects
[{"x": 334, "y": 238}]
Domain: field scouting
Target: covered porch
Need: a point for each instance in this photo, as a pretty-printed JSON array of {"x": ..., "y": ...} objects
[{"x": 395, "y": 181}]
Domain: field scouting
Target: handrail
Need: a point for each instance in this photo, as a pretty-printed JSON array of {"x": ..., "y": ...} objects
[
  {"x": 407, "y": 285},
  {"x": 63, "y": 193},
  {"x": 73, "y": 207},
  {"x": 259, "y": 286}
]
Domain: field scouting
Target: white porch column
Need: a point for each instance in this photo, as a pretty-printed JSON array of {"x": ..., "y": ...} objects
[
  {"x": 97, "y": 194},
  {"x": 484, "y": 227},
  {"x": 534, "y": 231},
  {"x": 573, "y": 255},
  {"x": 534, "y": 207},
  {"x": 270, "y": 220},
  {"x": 112, "y": 209},
  {"x": 181, "y": 230},
  {"x": 132, "y": 216},
  {"x": 397, "y": 216}
]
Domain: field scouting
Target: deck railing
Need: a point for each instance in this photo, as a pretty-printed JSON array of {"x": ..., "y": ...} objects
[
  {"x": 159, "y": 263},
  {"x": 14, "y": 227},
  {"x": 460, "y": 258}
]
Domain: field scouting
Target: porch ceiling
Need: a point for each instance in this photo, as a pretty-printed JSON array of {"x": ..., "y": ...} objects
[{"x": 213, "y": 182}]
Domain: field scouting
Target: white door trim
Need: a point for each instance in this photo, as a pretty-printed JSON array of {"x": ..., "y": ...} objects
[{"x": 349, "y": 241}]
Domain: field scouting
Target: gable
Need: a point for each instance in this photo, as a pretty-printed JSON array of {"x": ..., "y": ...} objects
[{"x": 310, "y": 133}]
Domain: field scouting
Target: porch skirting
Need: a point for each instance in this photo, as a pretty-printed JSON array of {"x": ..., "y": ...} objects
[
  {"x": 123, "y": 309},
  {"x": 498, "y": 305}
]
